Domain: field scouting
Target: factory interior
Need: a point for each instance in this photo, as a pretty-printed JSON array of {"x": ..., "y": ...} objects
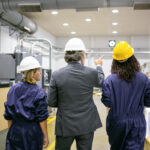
[{"x": 41, "y": 28}]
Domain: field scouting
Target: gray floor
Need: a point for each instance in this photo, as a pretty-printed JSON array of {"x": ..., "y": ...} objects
[{"x": 3, "y": 139}]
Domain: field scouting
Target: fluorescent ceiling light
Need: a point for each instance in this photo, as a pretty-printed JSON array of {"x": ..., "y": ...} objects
[
  {"x": 73, "y": 32},
  {"x": 114, "y": 32},
  {"x": 115, "y": 23},
  {"x": 65, "y": 24},
  {"x": 88, "y": 20},
  {"x": 115, "y": 11},
  {"x": 54, "y": 12}
]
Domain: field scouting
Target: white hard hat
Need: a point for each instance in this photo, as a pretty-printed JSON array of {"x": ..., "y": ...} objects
[
  {"x": 28, "y": 63},
  {"x": 75, "y": 44}
]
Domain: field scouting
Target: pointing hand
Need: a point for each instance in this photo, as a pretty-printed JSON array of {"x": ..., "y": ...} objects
[{"x": 99, "y": 61}]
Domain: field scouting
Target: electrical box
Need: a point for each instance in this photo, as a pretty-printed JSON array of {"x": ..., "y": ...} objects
[{"x": 7, "y": 67}]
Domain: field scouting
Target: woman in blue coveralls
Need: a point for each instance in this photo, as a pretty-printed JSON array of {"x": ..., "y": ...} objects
[
  {"x": 26, "y": 110},
  {"x": 126, "y": 91}
]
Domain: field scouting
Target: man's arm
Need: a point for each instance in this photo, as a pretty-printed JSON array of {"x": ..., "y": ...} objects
[
  {"x": 52, "y": 93},
  {"x": 100, "y": 73}
]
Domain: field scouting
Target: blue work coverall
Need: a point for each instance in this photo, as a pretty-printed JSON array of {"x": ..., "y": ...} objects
[
  {"x": 125, "y": 122},
  {"x": 26, "y": 106}
]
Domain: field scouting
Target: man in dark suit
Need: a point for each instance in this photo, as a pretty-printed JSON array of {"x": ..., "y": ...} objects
[{"x": 71, "y": 91}]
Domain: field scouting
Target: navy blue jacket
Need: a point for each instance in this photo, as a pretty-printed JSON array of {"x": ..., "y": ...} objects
[
  {"x": 125, "y": 123},
  {"x": 26, "y": 106},
  {"x": 126, "y": 97}
]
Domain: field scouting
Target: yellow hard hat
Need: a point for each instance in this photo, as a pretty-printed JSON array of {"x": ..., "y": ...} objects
[{"x": 122, "y": 51}]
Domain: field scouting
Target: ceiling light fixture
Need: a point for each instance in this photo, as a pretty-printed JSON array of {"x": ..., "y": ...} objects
[
  {"x": 115, "y": 23},
  {"x": 112, "y": 43},
  {"x": 114, "y": 32},
  {"x": 26, "y": 28},
  {"x": 115, "y": 11},
  {"x": 88, "y": 20},
  {"x": 54, "y": 12},
  {"x": 65, "y": 24},
  {"x": 73, "y": 32}
]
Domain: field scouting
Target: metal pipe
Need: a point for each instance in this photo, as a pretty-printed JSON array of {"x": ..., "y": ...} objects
[
  {"x": 106, "y": 52},
  {"x": 32, "y": 47},
  {"x": 19, "y": 21},
  {"x": 62, "y": 4},
  {"x": 43, "y": 40}
]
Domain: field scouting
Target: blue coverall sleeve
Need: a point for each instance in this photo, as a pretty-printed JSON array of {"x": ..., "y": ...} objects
[
  {"x": 147, "y": 94},
  {"x": 41, "y": 106},
  {"x": 7, "y": 114},
  {"x": 100, "y": 77},
  {"x": 52, "y": 93},
  {"x": 106, "y": 94}
]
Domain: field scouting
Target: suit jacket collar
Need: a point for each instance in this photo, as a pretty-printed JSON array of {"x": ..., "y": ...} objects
[{"x": 74, "y": 62}]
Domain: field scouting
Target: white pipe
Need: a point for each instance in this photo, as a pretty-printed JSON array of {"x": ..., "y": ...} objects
[
  {"x": 43, "y": 40},
  {"x": 107, "y": 52},
  {"x": 32, "y": 47}
]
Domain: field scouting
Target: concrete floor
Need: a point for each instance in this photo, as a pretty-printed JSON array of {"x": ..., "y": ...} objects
[{"x": 3, "y": 139}]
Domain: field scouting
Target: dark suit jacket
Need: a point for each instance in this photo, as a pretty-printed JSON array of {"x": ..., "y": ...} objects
[{"x": 71, "y": 90}]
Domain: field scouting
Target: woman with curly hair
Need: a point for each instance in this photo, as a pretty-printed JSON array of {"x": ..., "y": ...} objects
[{"x": 126, "y": 91}]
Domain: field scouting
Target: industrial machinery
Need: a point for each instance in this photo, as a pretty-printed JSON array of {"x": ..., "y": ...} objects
[{"x": 7, "y": 70}]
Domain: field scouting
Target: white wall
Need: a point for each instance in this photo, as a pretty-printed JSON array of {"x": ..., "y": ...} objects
[
  {"x": 149, "y": 43},
  {"x": 101, "y": 43},
  {"x": 41, "y": 33},
  {"x": 8, "y": 44},
  {"x": 10, "y": 39},
  {"x": 140, "y": 42}
]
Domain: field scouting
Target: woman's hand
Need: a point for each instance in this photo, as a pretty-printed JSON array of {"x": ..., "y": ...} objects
[
  {"x": 45, "y": 142},
  {"x": 43, "y": 125}
]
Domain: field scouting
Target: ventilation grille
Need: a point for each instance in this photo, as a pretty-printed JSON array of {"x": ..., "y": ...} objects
[
  {"x": 29, "y": 7},
  {"x": 142, "y": 4}
]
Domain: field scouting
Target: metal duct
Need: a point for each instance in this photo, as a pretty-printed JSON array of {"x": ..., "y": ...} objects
[
  {"x": 39, "y": 5},
  {"x": 141, "y": 4},
  {"x": 19, "y": 21}
]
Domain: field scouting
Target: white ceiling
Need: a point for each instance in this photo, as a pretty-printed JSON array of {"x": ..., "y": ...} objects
[{"x": 130, "y": 22}]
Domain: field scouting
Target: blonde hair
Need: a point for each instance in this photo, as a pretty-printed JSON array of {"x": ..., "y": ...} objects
[{"x": 28, "y": 76}]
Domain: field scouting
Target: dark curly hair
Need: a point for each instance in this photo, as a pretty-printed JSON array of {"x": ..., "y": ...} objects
[
  {"x": 126, "y": 70},
  {"x": 73, "y": 56}
]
